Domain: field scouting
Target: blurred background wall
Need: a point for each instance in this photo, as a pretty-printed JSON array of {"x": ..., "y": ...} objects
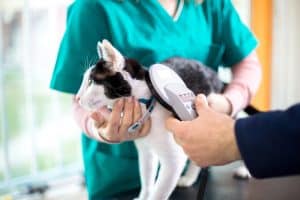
[
  {"x": 285, "y": 67},
  {"x": 276, "y": 24},
  {"x": 38, "y": 137}
]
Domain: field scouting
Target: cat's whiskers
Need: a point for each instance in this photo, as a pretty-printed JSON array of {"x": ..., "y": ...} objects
[{"x": 88, "y": 61}]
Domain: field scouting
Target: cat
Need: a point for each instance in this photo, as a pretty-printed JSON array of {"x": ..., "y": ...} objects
[{"x": 115, "y": 76}]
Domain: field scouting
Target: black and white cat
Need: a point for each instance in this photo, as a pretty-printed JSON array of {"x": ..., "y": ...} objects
[{"x": 115, "y": 76}]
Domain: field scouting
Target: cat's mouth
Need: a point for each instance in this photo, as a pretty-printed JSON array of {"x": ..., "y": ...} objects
[
  {"x": 95, "y": 104},
  {"x": 91, "y": 105}
]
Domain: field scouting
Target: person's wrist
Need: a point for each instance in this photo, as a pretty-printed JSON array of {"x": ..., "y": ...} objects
[{"x": 233, "y": 152}]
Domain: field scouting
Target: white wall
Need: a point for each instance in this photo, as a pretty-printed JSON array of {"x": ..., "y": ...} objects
[
  {"x": 244, "y": 9},
  {"x": 286, "y": 54}
]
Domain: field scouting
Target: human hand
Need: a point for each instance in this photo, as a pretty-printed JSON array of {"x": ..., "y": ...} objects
[
  {"x": 207, "y": 140},
  {"x": 219, "y": 103},
  {"x": 112, "y": 127}
]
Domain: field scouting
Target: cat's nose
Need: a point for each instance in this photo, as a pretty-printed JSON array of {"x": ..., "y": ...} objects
[
  {"x": 77, "y": 98},
  {"x": 80, "y": 101}
]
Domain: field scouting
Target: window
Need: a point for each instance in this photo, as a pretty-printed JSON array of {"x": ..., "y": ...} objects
[{"x": 37, "y": 131}]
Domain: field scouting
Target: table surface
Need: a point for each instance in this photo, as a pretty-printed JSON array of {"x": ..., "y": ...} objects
[{"x": 221, "y": 186}]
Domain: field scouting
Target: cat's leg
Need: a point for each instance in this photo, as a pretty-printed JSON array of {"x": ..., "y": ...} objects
[
  {"x": 148, "y": 165},
  {"x": 242, "y": 173},
  {"x": 190, "y": 176},
  {"x": 170, "y": 170}
]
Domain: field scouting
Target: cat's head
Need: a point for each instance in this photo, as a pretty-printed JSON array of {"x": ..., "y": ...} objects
[{"x": 110, "y": 78}]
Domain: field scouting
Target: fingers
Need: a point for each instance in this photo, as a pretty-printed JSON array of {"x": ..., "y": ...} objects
[
  {"x": 181, "y": 129},
  {"x": 145, "y": 128},
  {"x": 178, "y": 128},
  {"x": 132, "y": 114},
  {"x": 124, "y": 113},
  {"x": 127, "y": 119},
  {"x": 137, "y": 111},
  {"x": 172, "y": 124},
  {"x": 137, "y": 115},
  {"x": 105, "y": 112},
  {"x": 112, "y": 129},
  {"x": 98, "y": 118},
  {"x": 201, "y": 103}
]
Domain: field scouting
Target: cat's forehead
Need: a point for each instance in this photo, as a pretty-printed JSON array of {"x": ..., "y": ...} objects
[{"x": 101, "y": 70}]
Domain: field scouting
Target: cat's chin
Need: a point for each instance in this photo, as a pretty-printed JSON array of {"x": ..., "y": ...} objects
[
  {"x": 92, "y": 105},
  {"x": 109, "y": 103},
  {"x": 95, "y": 105}
]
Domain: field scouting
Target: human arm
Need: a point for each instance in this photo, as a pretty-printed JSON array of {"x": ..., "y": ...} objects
[
  {"x": 239, "y": 54},
  {"x": 86, "y": 25},
  {"x": 108, "y": 127},
  {"x": 207, "y": 140},
  {"x": 269, "y": 143},
  {"x": 246, "y": 76}
]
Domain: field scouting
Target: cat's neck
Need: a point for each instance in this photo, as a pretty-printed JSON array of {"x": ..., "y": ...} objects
[{"x": 140, "y": 89}]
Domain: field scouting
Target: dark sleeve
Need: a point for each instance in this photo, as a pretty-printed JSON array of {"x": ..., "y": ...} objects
[{"x": 270, "y": 142}]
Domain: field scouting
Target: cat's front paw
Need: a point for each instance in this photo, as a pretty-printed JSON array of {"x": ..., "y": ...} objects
[
  {"x": 186, "y": 181},
  {"x": 242, "y": 173},
  {"x": 143, "y": 196}
]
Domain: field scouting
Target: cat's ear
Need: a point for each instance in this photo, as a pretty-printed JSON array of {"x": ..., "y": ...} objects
[
  {"x": 99, "y": 50},
  {"x": 110, "y": 54}
]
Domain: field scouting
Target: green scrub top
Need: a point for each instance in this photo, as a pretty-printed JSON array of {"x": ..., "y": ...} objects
[{"x": 211, "y": 32}]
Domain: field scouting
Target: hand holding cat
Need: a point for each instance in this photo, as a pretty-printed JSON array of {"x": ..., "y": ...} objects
[
  {"x": 112, "y": 127},
  {"x": 207, "y": 140}
]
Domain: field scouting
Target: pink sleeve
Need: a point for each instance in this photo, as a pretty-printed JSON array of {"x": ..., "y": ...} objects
[
  {"x": 81, "y": 117},
  {"x": 246, "y": 76}
]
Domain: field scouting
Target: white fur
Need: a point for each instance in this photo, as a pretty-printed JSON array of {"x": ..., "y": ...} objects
[
  {"x": 158, "y": 147},
  {"x": 242, "y": 173},
  {"x": 190, "y": 176}
]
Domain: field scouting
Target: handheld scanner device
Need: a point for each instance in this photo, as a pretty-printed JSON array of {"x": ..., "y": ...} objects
[{"x": 171, "y": 89}]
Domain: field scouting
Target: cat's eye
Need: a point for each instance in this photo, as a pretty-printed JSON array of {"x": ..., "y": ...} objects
[{"x": 90, "y": 82}]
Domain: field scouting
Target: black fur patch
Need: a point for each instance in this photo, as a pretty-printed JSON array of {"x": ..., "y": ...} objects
[
  {"x": 101, "y": 70},
  {"x": 134, "y": 69},
  {"x": 198, "y": 77},
  {"x": 114, "y": 84}
]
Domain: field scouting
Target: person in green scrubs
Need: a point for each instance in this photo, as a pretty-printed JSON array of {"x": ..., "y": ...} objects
[{"x": 148, "y": 31}]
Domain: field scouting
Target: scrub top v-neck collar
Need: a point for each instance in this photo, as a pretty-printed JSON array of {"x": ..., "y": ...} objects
[{"x": 163, "y": 12}]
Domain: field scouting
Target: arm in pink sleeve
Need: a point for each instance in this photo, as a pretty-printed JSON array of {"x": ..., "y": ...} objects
[
  {"x": 246, "y": 76},
  {"x": 84, "y": 121}
]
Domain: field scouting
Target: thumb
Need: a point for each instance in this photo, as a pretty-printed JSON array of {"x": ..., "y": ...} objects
[
  {"x": 97, "y": 117},
  {"x": 201, "y": 103},
  {"x": 178, "y": 128},
  {"x": 104, "y": 112},
  {"x": 172, "y": 124}
]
